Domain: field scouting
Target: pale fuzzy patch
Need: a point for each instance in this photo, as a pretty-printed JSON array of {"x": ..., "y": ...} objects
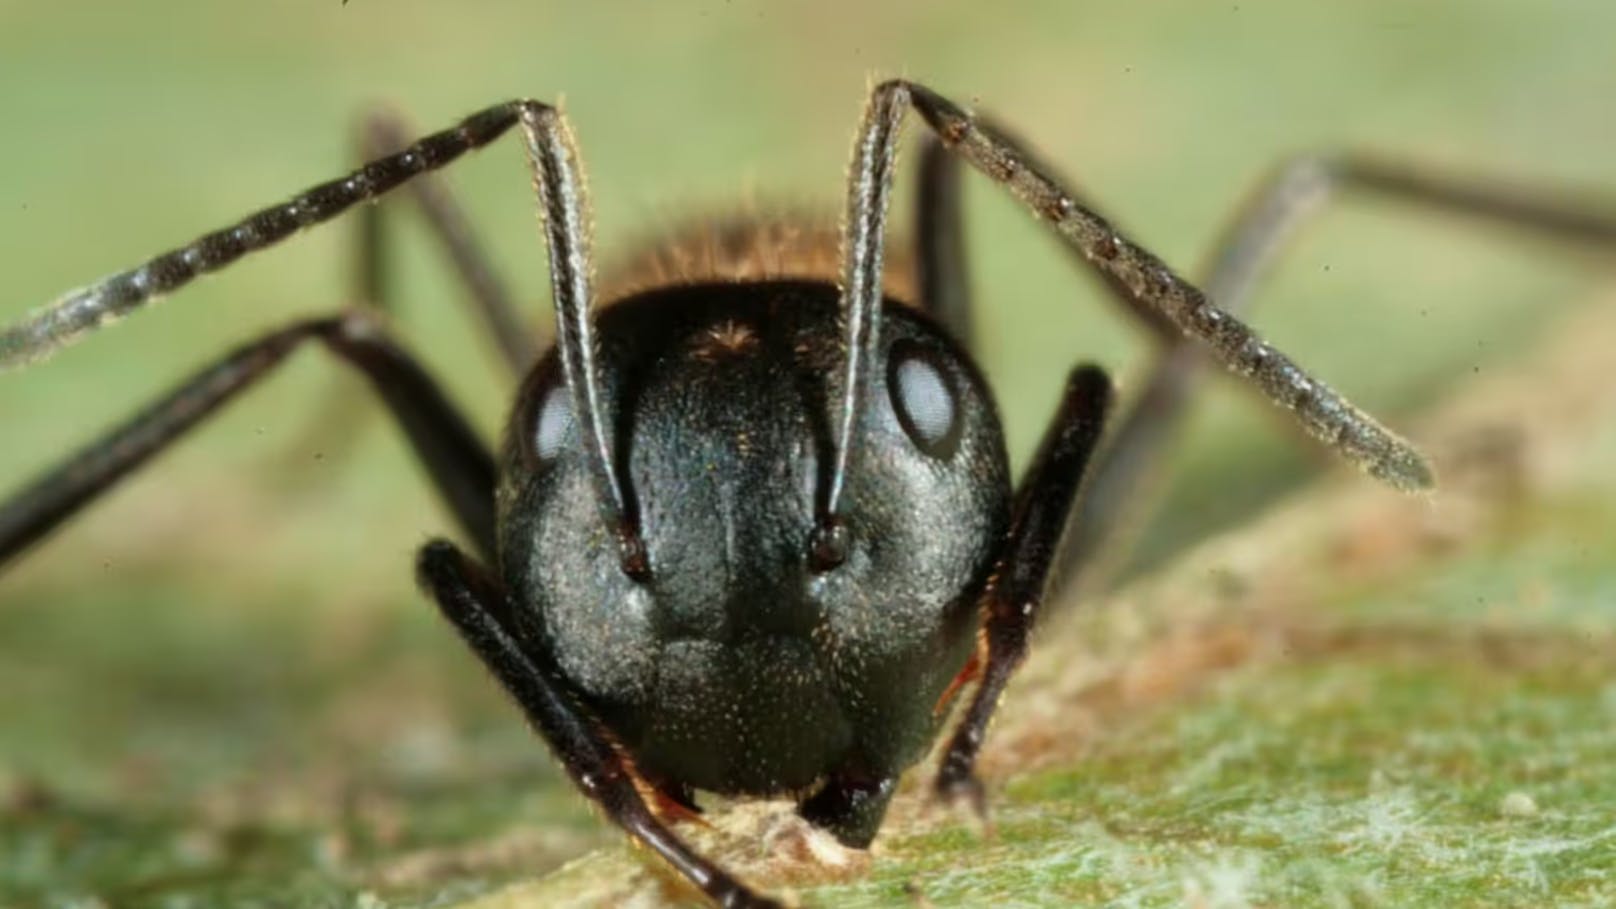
[
  {"x": 1517, "y": 804},
  {"x": 1228, "y": 881},
  {"x": 763, "y": 843}
]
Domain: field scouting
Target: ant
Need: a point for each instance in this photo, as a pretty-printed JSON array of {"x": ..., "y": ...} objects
[{"x": 751, "y": 527}]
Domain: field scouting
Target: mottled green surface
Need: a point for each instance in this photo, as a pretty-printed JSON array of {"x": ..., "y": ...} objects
[
  {"x": 1303, "y": 786},
  {"x": 221, "y": 687},
  {"x": 1414, "y": 770}
]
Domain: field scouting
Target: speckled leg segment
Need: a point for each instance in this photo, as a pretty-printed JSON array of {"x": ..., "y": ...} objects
[
  {"x": 1043, "y": 506},
  {"x": 458, "y": 462}
]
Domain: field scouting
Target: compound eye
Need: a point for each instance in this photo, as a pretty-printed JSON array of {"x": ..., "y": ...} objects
[
  {"x": 553, "y": 423},
  {"x": 923, "y": 398}
]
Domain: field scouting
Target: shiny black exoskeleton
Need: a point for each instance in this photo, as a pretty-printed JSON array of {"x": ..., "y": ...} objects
[
  {"x": 752, "y": 523},
  {"x": 736, "y": 666}
]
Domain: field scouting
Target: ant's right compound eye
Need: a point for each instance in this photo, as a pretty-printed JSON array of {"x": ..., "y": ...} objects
[
  {"x": 924, "y": 399},
  {"x": 552, "y": 422}
]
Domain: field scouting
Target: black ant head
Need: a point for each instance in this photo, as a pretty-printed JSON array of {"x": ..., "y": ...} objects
[{"x": 721, "y": 399}]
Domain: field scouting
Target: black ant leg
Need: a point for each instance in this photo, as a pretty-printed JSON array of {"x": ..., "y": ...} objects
[
  {"x": 942, "y": 278},
  {"x": 1149, "y": 282},
  {"x": 475, "y": 602},
  {"x": 336, "y": 427},
  {"x": 1136, "y": 445},
  {"x": 1301, "y": 187},
  {"x": 1118, "y": 497},
  {"x": 383, "y": 133},
  {"x": 940, "y": 241},
  {"x": 1043, "y": 508},
  {"x": 80, "y": 311},
  {"x": 460, "y": 465},
  {"x": 553, "y": 161},
  {"x": 941, "y": 264},
  {"x": 1128, "y": 471}
]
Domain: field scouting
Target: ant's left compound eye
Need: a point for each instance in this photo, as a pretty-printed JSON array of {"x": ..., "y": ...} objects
[
  {"x": 923, "y": 398},
  {"x": 552, "y": 422}
]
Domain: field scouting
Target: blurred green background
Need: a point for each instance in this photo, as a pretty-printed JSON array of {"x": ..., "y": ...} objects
[{"x": 234, "y": 635}]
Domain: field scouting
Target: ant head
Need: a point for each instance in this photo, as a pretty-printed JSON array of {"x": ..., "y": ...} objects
[{"x": 720, "y": 400}]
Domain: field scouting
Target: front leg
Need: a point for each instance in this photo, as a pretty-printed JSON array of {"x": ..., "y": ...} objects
[
  {"x": 457, "y": 461},
  {"x": 1043, "y": 504},
  {"x": 382, "y": 133},
  {"x": 1125, "y": 265},
  {"x": 476, "y": 604}
]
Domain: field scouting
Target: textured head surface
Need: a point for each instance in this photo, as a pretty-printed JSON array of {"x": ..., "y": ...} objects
[{"x": 737, "y": 668}]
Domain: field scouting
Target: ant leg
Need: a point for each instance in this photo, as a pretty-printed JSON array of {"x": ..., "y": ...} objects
[
  {"x": 1122, "y": 491},
  {"x": 383, "y": 133},
  {"x": 1128, "y": 473},
  {"x": 1150, "y": 283},
  {"x": 80, "y": 311},
  {"x": 460, "y": 465},
  {"x": 475, "y": 602},
  {"x": 557, "y": 181},
  {"x": 1044, "y": 504},
  {"x": 940, "y": 254},
  {"x": 1301, "y": 187},
  {"x": 941, "y": 267},
  {"x": 1134, "y": 449},
  {"x": 1111, "y": 508}
]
